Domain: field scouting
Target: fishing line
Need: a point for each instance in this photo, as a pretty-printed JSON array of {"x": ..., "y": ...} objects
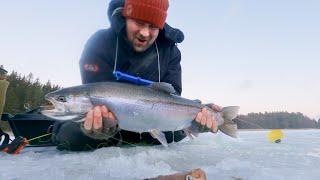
[
  {"x": 249, "y": 123},
  {"x": 38, "y": 137},
  {"x": 111, "y": 137},
  {"x": 155, "y": 42},
  {"x": 117, "y": 140}
]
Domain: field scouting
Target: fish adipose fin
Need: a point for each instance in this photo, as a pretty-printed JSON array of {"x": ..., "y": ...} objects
[
  {"x": 191, "y": 133},
  {"x": 194, "y": 130},
  {"x": 164, "y": 87},
  {"x": 156, "y": 134},
  {"x": 229, "y": 127},
  {"x": 197, "y": 101}
]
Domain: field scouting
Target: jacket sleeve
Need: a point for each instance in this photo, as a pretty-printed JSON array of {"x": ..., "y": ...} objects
[
  {"x": 95, "y": 63},
  {"x": 173, "y": 73},
  {"x": 69, "y": 136}
]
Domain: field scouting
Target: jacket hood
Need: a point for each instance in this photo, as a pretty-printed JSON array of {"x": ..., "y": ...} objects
[{"x": 117, "y": 22}]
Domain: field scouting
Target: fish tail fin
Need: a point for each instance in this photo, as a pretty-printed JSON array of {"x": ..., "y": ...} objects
[{"x": 229, "y": 127}]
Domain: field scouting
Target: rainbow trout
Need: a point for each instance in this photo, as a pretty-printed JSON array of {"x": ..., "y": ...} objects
[{"x": 151, "y": 109}]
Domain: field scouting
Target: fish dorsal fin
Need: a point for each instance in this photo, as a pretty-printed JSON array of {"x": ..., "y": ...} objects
[
  {"x": 160, "y": 136},
  {"x": 164, "y": 87},
  {"x": 197, "y": 101}
]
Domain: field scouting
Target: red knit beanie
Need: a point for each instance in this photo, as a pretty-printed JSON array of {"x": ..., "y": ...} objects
[{"x": 151, "y": 11}]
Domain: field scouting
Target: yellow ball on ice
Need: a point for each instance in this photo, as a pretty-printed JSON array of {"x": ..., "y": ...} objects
[{"x": 275, "y": 136}]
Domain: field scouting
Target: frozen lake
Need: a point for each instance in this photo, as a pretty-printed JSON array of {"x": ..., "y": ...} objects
[{"x": 250, "y": 156}]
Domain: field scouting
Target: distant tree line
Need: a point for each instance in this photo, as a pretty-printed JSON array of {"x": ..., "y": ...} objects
[
  {"x": 275, "y": 120},
  {"x": 24, "y": 93}
]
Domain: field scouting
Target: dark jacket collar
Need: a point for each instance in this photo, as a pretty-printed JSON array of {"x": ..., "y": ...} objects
[{"x": 117, "y": 22}]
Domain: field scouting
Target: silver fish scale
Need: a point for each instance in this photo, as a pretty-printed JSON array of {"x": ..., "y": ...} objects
[{"x": 142, "y": 109}]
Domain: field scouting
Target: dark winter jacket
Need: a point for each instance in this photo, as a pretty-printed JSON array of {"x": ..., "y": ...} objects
[
  {"x": 97, "y": 64},
  {"x": 98, "y": 59}
]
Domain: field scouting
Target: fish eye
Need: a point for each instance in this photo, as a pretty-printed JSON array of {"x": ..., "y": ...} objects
[{"x": 62, "y": 99}]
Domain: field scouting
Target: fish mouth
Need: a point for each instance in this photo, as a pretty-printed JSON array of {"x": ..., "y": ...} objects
[
  {"x": 50, "y": 109},
  {"x": 50, "y": 106},
  {"x": 56, "y": 110}
]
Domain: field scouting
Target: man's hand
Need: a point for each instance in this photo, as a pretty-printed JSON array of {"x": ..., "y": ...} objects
[
  {"x": 207, "y": 118},
  {"x": 195, "y": 174},
  {"x": 98, "y": 119}
]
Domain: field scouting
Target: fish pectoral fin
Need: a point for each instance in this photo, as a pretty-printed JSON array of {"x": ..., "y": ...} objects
[{"x": 156, "y": 134}]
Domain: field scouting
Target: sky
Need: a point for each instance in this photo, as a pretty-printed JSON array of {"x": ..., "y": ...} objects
[{"x": 259, "y": 55}]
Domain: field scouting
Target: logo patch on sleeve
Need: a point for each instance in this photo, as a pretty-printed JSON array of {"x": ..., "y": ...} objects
[{"x": 91, "y": 67}]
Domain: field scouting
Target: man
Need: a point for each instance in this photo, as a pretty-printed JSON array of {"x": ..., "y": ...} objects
[
  {"x": 3, "y": 89},
  {"x": 139, "y": 43}
]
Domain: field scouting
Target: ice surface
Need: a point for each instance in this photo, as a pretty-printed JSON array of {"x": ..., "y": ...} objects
[{"x": 250, "y": 156}]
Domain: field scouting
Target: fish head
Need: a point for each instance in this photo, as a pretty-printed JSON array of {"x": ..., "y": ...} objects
[{"x": 67, "y": 104}]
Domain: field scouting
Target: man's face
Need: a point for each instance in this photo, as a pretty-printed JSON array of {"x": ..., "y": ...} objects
[{"x": 141, "y": 34}]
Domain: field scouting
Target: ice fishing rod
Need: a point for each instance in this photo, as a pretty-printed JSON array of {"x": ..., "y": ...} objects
[
  {"x": 18, "y": 144},
  {"x": 244, "y": 121},
  {"x": 133, "y": 79}
]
